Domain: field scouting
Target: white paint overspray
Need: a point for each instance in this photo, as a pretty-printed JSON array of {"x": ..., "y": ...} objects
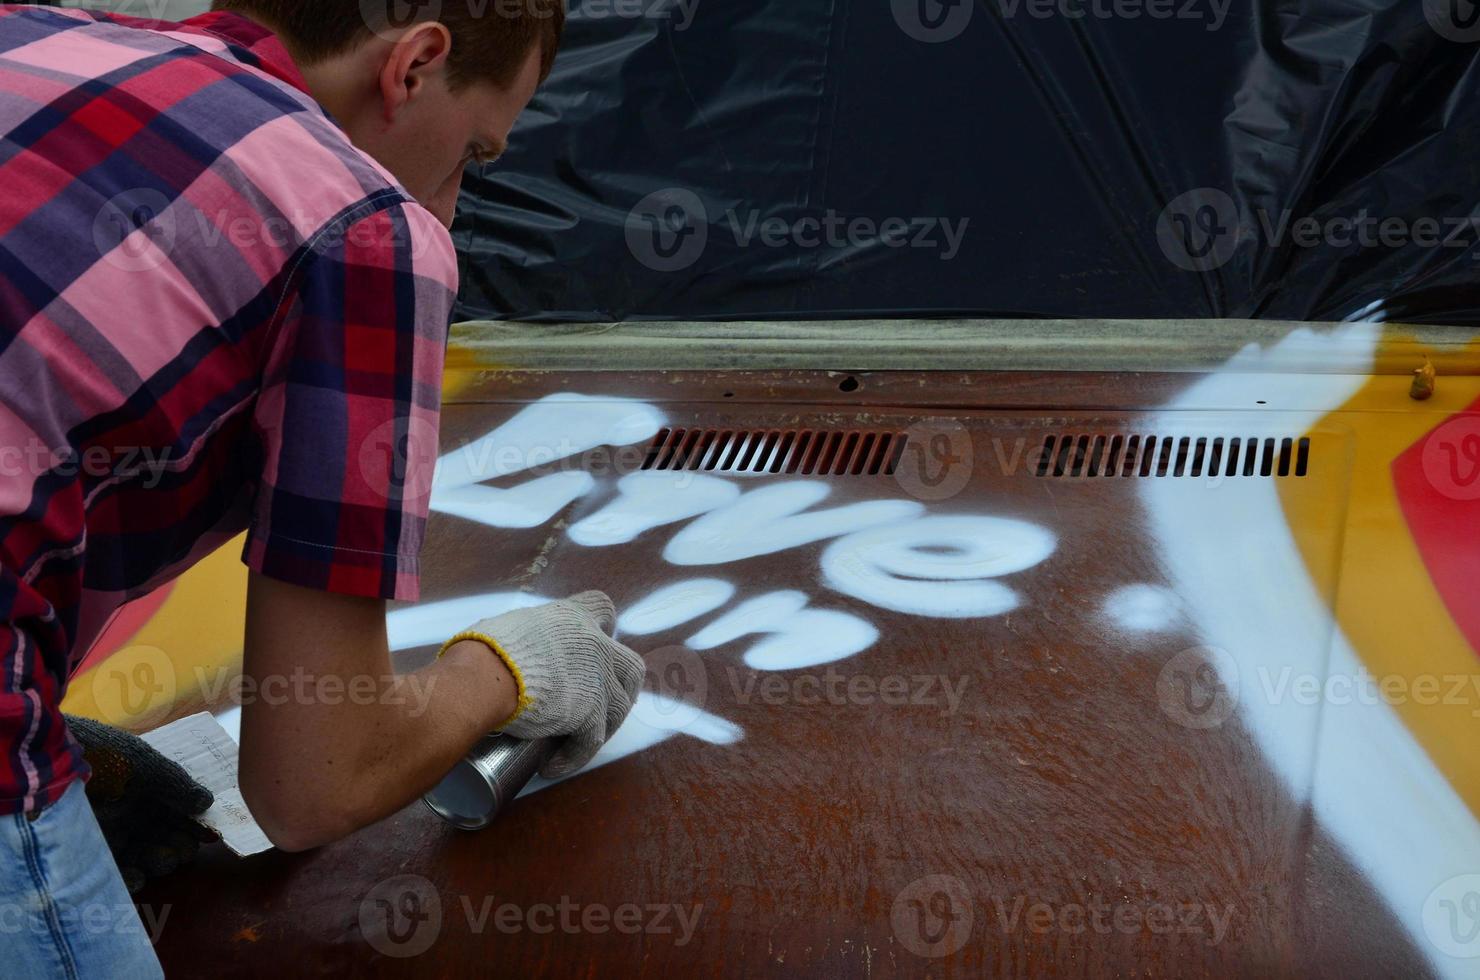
[
  {"x": 937, "y": 566},
  {"x": 674, "y": 605},
  {"x": 801, "y": 637},
  {"x": 551, "y": 429},
  {"x": 1374, "y": 789},
  {"x": 638, "y": 735},
  {"x": 527, "y": 505},
  {"x": 432, "y": 623},
  {"x": 1143, "y": 608},
  {"x": 771, "y": 519},
  {"x": 649, "y": 500}
]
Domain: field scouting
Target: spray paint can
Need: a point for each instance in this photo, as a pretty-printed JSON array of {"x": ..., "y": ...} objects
[{"x": 487, "y": 779}]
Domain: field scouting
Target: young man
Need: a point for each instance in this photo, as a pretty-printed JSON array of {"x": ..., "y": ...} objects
[{"x": 223, "y": 251}]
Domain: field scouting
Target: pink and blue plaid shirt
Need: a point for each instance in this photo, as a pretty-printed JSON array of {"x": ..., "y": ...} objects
[{"x": 215, "y": 314}]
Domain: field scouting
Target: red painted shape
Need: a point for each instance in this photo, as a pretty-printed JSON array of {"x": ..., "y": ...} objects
[
  {"x": 130, "y": 619},
  {"x": 1438, "y": 485}
]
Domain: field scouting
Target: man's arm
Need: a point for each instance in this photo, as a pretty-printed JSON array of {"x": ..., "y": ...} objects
[
  {"x": 333, "y": 741},
  {"x": 347, "y": 426}
]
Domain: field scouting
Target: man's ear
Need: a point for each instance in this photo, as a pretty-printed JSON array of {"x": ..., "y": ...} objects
[{"x": 420, "y": 54}]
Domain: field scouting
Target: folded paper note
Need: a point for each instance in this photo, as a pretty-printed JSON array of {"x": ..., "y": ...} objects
[{"x": 202, "y": 747}]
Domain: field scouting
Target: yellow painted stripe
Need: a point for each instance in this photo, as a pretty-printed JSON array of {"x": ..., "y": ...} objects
[
  {"x": 1386, "y": 603},
  {"x": 190, "y": 650}
]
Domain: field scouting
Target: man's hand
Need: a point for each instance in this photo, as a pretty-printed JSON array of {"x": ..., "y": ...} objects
[
  {"x": 575, "y": 680},
  {"x": 145, "y": 803},
  {"x": 334, "y": 739}
]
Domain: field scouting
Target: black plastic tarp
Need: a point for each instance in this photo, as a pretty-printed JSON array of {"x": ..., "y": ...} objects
[{"x": 796, "y": 159}]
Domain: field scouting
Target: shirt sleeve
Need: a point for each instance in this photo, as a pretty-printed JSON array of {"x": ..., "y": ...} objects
[{"x": 347, "y": 418}]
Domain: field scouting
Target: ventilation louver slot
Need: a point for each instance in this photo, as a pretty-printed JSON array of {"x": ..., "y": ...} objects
[
  {"x": 807, "y": 452},
  {"x": 1208, "y": 457}
]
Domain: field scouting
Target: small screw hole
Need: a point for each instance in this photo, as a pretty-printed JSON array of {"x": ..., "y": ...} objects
[{"x": 849, "y": 384}]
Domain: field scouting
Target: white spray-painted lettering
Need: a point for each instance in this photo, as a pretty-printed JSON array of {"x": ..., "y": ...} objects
[
  {"x": 649, "y": 723},
  {"x": 645, "y": 728},
  {"x": 527, "y": 505},
  {"x": 888, "y": 553},
  {"x": 771, "y": 519},
  {"x": 799, "y": 637},
  {"x": 552, "y": 429},
  {"x": 649, "y": 500},
  {"x": 944, "y": 567},
  {"x": 674, "y": 605}
]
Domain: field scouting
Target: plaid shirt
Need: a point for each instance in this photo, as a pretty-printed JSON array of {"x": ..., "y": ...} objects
[{"x": 215, "y": 314}]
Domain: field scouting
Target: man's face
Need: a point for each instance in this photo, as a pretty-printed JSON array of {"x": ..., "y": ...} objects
[
  {"x": 453, "y": 129},
  {"x": 429, "y": 141}
]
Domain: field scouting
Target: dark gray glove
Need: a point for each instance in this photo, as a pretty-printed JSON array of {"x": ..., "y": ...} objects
[{"x": 144, "y": 802}]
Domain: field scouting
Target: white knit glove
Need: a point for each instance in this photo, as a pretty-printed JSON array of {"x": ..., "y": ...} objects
[{"x": 574, "y": 679}]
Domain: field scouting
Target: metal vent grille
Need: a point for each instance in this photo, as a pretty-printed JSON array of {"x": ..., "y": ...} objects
[
  {"x": 803, "y": 451},
  {"x": 1086, "y": 456}
]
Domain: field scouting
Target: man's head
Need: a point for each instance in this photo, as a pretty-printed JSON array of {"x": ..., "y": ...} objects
[{"x": 426, "y": 92}]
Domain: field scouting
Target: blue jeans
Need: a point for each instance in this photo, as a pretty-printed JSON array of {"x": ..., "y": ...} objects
[{"x": 64, "y": 910}]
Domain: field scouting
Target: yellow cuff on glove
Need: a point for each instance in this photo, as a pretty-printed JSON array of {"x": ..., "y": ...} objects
[{"x": 524, "y": 699}]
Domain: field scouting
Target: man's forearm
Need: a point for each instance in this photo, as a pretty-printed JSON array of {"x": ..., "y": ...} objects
[
  {"x": 366, "y": 758},
  {"x": 326, "y": 754}
]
